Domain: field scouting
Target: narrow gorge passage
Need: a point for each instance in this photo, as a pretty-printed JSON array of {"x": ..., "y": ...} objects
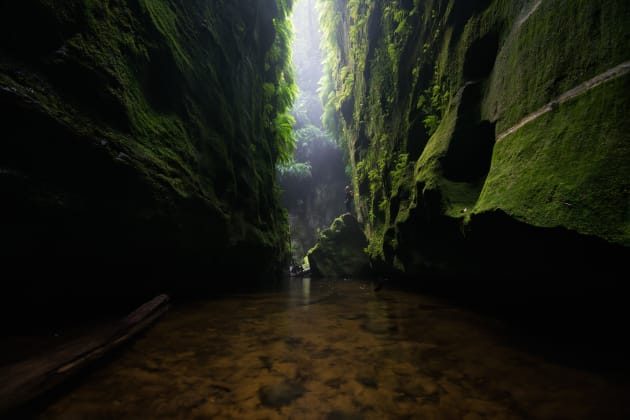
[{"x": 315, "y": 209}]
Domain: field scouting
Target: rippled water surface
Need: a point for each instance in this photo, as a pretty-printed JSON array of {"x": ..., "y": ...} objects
[{"x": 334, "y": 350}]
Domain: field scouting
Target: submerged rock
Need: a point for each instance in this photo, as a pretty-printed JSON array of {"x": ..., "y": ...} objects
[
  {"x": 343, "y": 415},
  {"x": 280, "y": 394}
]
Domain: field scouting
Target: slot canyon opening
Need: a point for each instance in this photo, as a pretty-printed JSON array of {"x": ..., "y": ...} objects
[{"x": 312, "y": 183}]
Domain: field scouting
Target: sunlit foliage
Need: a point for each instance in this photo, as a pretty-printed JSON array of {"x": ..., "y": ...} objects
[
  {"x": 293, "y": 171},
  {"x": 280, "y": 90}
]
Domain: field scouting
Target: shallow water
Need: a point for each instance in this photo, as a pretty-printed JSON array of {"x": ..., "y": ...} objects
[{"x": 331, "y": 349}]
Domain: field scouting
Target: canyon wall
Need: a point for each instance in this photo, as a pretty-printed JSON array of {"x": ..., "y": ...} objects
[
  {"x": 488, "y": 139},
  {"x": 139, "y": 142}
]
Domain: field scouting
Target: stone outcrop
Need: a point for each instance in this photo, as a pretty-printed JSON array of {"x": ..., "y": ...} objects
[{"x": 340, "y": 250}]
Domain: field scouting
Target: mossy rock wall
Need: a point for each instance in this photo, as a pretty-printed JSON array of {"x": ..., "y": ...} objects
[
  {"x": 138, "y": 141},
  {"x": 340, "y": 250},
  {"x": 487, "y": 138}
]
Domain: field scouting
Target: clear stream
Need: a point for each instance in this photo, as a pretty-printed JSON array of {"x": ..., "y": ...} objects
[{"x": 335, "y": 349}]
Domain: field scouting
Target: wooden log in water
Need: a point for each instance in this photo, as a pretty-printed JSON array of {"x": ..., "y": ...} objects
[{"x": 26, "y": 380}]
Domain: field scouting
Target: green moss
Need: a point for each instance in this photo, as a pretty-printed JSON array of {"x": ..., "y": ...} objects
[
  {"x": 533, "y": 69},
  {"x": 176, "y": 95},
  {"x": 339, "y": 251},
  {"x": 432, "y": 80},
  {"x": 165, "y": 19},
  {"x": 532, "y": 178},
  {"x": 374, "y": 248},
  {"x": 460, "y": 197}
]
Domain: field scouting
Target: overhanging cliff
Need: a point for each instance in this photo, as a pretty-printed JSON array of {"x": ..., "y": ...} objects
[
  {"x": 487, "y": 138},
  {"x": 139, "y": 138}
]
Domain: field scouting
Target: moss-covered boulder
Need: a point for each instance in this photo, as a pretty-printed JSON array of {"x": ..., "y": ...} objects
[
  {"x": 139, "y": 141},
  {"x": 340, "y": 250}
]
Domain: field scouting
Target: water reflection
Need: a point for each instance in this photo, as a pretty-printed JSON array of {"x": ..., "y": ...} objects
[
  {"x": 301, "y": 286},
  {"x": 325, "y": 349}
]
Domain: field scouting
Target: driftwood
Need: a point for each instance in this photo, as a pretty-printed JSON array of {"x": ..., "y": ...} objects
[{"x": 24, "y": 381}]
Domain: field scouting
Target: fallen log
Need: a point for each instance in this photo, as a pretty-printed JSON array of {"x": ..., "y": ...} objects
[{"x": 26, "y": 380}]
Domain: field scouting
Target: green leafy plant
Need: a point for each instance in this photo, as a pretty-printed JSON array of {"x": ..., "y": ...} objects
[
  {"x": 280, "y": 89},
  {"x": 294, "y": 170}
]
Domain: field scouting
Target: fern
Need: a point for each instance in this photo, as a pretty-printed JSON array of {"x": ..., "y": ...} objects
[
  {"x": 279, "y": 88},
  {"x": 295, "y": 170}
]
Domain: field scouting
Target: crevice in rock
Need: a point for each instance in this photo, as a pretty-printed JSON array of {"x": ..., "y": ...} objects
[
  {"x": 470, "y": 151},
  {"x": 481, "y": 56}
]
